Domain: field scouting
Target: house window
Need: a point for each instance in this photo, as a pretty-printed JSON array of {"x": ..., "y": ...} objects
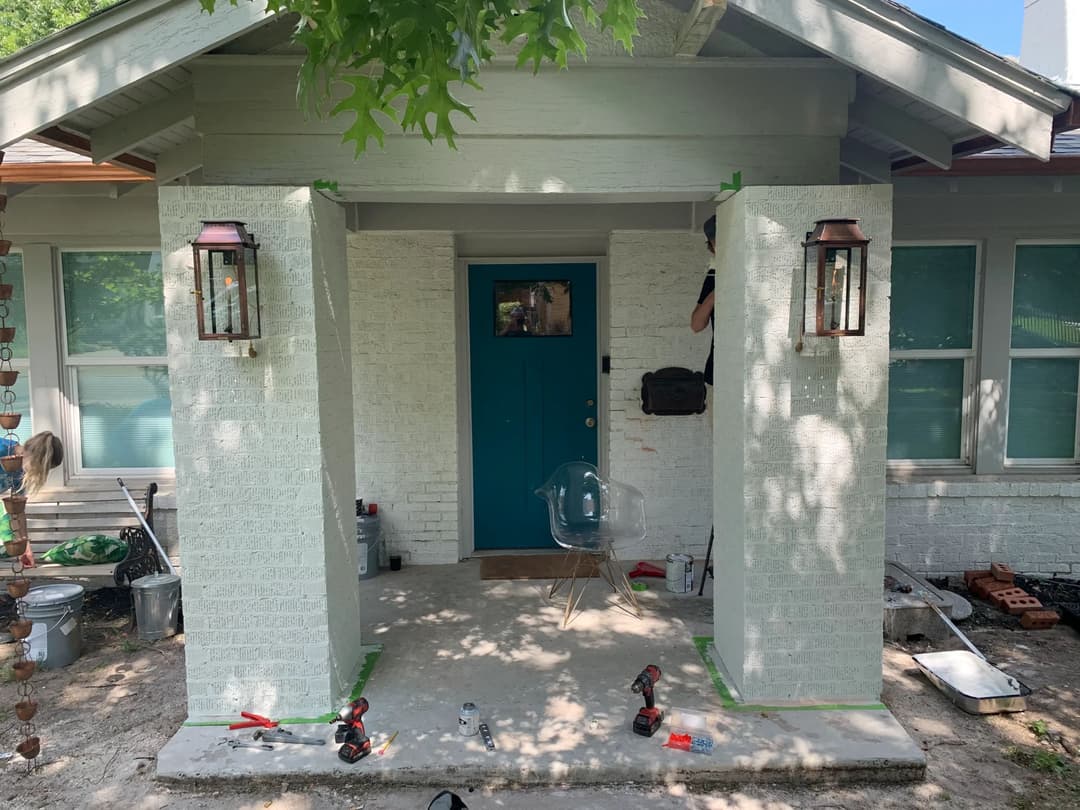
[
  {"x": 931, "y": 343},
  {"x": 20, "y": 358},
  {"x": 1044, "y": 373},
  {"x": 115, "y": 360}
]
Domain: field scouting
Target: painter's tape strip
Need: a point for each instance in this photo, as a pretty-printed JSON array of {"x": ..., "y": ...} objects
[
  {"x": 370, "y": 659},
  {"x": 702, "y": 643}
]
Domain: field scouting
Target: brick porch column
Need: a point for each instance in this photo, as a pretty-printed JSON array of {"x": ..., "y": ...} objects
[
  {"x": 265, "y": 470},
  {"x": 799, "y": 456}
]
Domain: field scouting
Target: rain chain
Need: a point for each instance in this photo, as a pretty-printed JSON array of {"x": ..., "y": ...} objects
[{"x": 15, "y": 505}]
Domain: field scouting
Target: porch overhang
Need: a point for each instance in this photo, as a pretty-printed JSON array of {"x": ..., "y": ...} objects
[{"x": 888, "y": 42}]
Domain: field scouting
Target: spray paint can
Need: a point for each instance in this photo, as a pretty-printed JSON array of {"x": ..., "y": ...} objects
[
  {"x": 469, "y": 720},
  {"x": 680, "y": 573}
]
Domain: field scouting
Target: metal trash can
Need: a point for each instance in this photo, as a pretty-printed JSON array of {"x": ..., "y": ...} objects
[
  {"x": 56, "y": 632},
  {"x": 367, "y": 545},
  {"x": 157, "y": 605}
]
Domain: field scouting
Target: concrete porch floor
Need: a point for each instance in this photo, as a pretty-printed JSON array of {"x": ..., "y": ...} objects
[{"x": 558, "y": 702}]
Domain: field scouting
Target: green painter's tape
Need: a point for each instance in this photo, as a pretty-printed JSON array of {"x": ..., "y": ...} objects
[
  {"x": 702, "y": 643},
  {"x": 370, "y": 659}
]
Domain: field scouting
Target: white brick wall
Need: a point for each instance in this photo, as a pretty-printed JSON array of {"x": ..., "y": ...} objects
[
  {"x": 655, "y": 278},
  {"x": 260, "y": 465},
  {"x": 799, "y": 450},
  {"x": 404, "y": 388},
  {"x": 947, "y": 527}
]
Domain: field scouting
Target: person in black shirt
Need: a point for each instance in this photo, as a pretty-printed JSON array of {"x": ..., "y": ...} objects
[{"x": 702, "y": 315}]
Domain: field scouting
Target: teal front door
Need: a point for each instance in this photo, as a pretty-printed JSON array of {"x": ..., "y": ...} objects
[{"x": 532, "y": 345}]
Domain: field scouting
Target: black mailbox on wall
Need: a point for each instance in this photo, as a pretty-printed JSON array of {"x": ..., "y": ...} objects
[{"x": 673, "y": 392}]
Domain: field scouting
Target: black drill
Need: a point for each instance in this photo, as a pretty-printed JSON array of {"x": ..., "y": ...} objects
[
  {"x": 649, "y": 717},
  {"x": 351, "y": 732}
]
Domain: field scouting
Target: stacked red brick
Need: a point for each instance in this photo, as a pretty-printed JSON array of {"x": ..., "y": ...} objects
[{"x": 998, "y": 587}]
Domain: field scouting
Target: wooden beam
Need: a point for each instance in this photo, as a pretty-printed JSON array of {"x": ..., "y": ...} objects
[
  {"x": 126, "y": 44},
  {"x": 865, "y": 160},
  {"x": 180, "y": 160},
  {"x": 901, "y": 129},
  {"x": 884, "y": 41},
  {"x": 125, "y": 133},
  {"x": 700, "y": 22},
  {"x": 68, "y": 173},
  {"x": 972, "y": 146},
  {"x": 80, "y": 145}
]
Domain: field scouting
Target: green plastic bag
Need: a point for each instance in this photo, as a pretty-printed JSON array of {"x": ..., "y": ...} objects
[{"x": 88, "y": 549}]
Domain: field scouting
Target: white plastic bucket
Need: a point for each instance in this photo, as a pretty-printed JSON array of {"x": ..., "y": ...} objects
[
  {"x": 680, "y": 573},
  {"x": 56, "y": 632}
]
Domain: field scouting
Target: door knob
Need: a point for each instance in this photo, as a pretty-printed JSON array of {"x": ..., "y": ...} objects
[{"x": 590, "y": 422}]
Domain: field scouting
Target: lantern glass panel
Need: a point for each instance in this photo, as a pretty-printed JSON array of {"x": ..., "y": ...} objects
[
  {"x": 220, "y": 291},
  {"x": 836, "y": 282},
  {"x": 251, "y": 280}
]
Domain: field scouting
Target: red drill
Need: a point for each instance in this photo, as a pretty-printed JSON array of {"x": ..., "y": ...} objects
[
  {"x": 648, "y": 718},
  {"x": 351, "y": 732}
]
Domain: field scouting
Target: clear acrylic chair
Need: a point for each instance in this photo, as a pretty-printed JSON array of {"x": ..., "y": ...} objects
[{"x": 590, "y": 516}]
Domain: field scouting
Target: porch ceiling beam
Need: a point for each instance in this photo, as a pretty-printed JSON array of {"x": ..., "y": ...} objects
[
  {"x": 865, "y": 160},
  {"x": 80, "y": 145},
  {"x": 11, "y": 190},
  {"x": 129, "y": 43},
  {"x": 128, "y": 131},
  {"x": 903, "y": 130},
  {"x": 180, "y": 160},
  {"x": 699, "y": 25},
  {"x": 896, "y": 47}
]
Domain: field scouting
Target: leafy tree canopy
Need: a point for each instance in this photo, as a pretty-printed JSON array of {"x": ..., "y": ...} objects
[
  {"x": 23, "y": 22},
  {"x": 400, "y": 57}
]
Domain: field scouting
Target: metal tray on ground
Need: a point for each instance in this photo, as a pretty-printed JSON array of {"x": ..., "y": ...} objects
[{"x": 973, "y": 684}]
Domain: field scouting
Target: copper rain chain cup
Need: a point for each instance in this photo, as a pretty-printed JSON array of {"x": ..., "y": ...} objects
[
  {"x": 20, "y": 629},
  {"x": 26, "y": 709},
  {"x": 8, "y": 378},
  {"x": 29, "y": 748},
  {"x": 10, "y": 463},
  {"x": 14, "y": 548},
  {"x": 18, "y": 588},
  {"x": 10, "y": 421},
  {"x": 24, "y": 669}
]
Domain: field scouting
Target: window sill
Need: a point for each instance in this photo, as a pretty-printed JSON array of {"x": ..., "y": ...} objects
[{"x": 1056, "y": 485}]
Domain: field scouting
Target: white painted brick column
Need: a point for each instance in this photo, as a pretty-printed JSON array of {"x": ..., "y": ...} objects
[
  {"x": 799, "y": 456},
  {"x": 264, "y": 462}
]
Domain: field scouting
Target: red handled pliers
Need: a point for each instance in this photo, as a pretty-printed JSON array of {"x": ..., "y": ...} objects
[{"x": 254, "y": 721}]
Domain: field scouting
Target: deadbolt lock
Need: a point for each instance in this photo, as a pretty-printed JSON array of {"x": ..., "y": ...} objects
[
  {"x": 590, "y": 402},
  {"x": 590, "y": 422}
]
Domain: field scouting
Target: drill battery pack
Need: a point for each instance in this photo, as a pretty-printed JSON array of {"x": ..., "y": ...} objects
[{"x": 648, "y": 722}]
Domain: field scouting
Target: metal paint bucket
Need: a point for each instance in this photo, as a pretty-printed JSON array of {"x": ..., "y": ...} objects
[
  {"x": 680, "y": 573},
  {"x": 157, "y": 605},
  {"x": 368, "y": 538}
]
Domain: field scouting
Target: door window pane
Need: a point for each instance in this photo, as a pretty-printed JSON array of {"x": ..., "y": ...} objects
[
  {"x": 532, "y": 308},
  {"x": 124, "y": 416},
  {"x": 1046, "y": 297},
  {"x": 1042, "y": 408},
  {"x": 933, "y": 297},
  {"x": 925, "y": 409},
  {"x": 114, "y": 304}
]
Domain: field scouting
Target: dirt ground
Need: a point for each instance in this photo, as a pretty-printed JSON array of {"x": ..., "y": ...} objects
[{"x": 104, "y": 718}]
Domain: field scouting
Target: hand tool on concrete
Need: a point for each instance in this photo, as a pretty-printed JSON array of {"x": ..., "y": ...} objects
[
  {"x": 649, "y": 717},
  {"x": 253, "y": 721},
  {"x": 283, "y": 735},
  {"x": 351, "y": 733},
  {"x": 387, "y": 743},
  {"x": 485, "y": 735},
  {"x": 229, "y": 741},
  {"x": 644, "y": 569}
]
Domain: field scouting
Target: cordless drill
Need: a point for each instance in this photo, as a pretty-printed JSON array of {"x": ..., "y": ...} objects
[
  {"x": 649, "y": 717},
  {"x": 351, "y": 733}
]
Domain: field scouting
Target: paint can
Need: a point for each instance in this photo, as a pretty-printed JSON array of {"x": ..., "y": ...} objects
[
  {"x": 469, "y": 720},
  {"x": 680, "y": 573}
]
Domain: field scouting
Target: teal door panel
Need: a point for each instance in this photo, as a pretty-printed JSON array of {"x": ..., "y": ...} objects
[{"x": 532, "y": 345}]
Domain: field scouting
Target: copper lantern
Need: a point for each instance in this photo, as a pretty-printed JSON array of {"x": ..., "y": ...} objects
[
  {"x": 226, "y": 282},
  {"x": 834, "y": 279}
]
